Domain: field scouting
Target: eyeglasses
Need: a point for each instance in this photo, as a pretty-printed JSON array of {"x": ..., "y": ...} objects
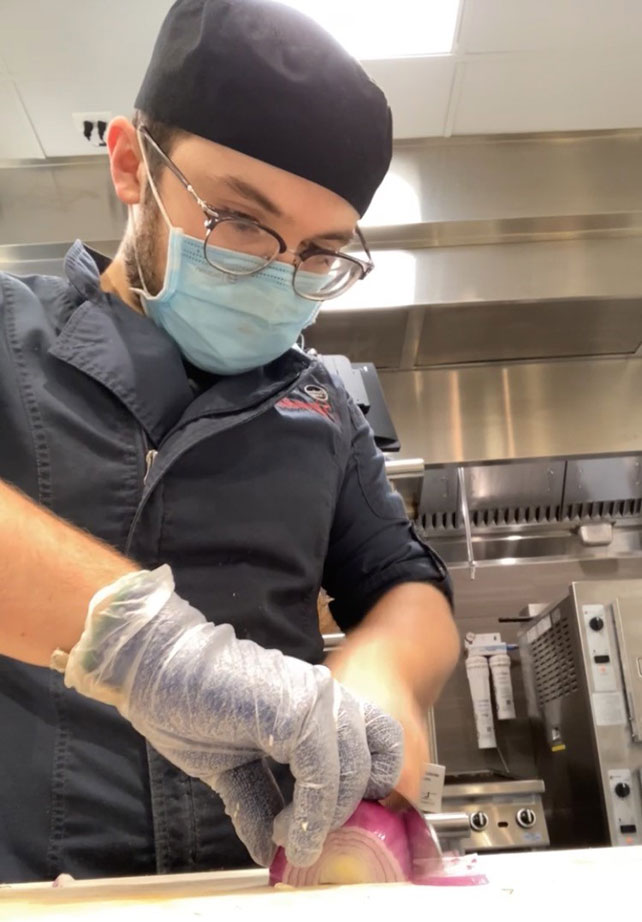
[{"x": 240, "y": 246}]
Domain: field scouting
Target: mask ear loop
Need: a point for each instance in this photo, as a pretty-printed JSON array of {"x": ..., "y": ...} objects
[{"x": 144, "y": 293}]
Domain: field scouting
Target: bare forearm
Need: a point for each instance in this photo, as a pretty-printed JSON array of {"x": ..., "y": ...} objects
[
  {"x": 399, "y": 658},
  {"x": 411, "y": 628},
  {"x": 49, "y": 571}
]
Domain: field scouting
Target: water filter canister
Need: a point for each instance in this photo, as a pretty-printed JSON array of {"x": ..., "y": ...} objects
[
  {"x": 479, "y": 682},
  {"x": 504, "y": 701}
]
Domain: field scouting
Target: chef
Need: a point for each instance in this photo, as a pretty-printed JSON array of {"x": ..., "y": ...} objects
[{"x": 178, "y": 480}]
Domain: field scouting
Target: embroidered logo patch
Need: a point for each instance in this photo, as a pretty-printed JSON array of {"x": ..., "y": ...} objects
[
  {"x": 317, "y": 393},
  {"x": 318, "y": 402}
]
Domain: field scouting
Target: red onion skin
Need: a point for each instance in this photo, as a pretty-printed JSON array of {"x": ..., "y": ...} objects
[{"x": 278, "y": 868}]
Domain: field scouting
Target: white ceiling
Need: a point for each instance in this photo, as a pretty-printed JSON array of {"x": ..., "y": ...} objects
[{"x": 518, "y": 65}]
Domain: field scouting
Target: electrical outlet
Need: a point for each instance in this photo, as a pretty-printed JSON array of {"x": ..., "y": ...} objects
[{"x": 92, "y": 126}]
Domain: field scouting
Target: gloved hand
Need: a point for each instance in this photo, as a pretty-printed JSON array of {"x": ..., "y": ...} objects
[{"x": 216, "y": 706}]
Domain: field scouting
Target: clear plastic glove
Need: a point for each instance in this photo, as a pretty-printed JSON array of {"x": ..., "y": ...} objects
[{"x": 216, "y": 706}]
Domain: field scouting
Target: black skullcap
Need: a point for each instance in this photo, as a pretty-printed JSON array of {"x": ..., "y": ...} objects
[{"x": 269, "y": 82}]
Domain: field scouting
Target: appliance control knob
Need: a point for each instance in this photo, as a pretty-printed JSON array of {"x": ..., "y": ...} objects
[
  {"x": 478, "y": 821},
  {"x": 596, "y": 623},
  {"x": 622, "y": 789},
  {"x": 526, "y": 818}
]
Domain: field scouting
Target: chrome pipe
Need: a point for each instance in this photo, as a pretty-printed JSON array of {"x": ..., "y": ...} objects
[
  {"x": 465, "y": 514},
  {"x": 405, "y": 467}
]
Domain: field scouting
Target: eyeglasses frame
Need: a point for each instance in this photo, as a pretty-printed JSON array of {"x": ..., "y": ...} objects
[{"x": 214, "y": 216}]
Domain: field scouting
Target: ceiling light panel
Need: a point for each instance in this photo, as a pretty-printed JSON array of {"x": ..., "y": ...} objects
[{"x": 391, "y": 30}]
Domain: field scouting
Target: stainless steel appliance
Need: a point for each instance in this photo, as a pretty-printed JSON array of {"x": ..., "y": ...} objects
[
  {"x": 503, "y": 813},
  {"x": 582, "y": 665}
]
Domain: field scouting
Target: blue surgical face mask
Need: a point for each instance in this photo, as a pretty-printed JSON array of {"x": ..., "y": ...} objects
[{"x": 227, "y": 324}]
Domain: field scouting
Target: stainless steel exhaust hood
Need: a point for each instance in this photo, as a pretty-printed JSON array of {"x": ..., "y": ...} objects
[{"x": 500, "y": 249}]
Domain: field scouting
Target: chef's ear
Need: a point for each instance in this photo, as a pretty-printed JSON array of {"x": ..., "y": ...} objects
[{"x": 125, "y": 160}]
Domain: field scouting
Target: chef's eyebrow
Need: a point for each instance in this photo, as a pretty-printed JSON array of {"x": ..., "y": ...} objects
[
  {"x": 341, "y": 237},
  {"x": 248, "y": 191}
]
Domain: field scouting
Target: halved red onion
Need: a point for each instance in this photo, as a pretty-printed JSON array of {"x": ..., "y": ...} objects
[
  {"x": 372, "y": 846},
  {"x": 377, "y": 845}
]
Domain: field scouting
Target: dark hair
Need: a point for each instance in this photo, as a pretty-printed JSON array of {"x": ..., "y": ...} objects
[{"x": 165, "y": 136}]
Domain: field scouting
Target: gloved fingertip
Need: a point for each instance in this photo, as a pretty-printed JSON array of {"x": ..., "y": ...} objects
[
  {"x": 252, "y": 800},
  {"x": 379, "y": 788},
  {"x": 302, "y": 846},
  {"x": 263, "y": 853},
  {"x": 302, "y": 857},
  {"x": 281, "y": 828}
]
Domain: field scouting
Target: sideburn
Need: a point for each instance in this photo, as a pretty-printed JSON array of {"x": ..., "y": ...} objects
[{"x": 147, "y": 234}]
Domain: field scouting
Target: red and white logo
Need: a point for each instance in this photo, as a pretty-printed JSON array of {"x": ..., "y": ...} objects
[{"x": 318, "y": 402}]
